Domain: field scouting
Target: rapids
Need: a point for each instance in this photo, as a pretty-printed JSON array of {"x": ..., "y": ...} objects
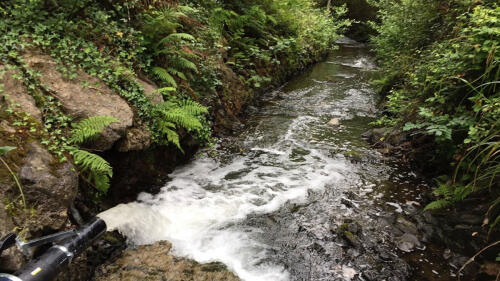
[{"x": 267, "y": 202}]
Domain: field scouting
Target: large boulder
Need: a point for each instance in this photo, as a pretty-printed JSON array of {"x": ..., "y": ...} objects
[
  {"x": 18, "y": 96},
  {"x": 49, "y": 187},
  {"x": 81, "y": 101},
  {"x": 155, "y": 263}
]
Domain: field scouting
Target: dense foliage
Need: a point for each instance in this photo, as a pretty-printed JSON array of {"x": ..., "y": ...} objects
[
  {"x": 441, "y": 75},
  {"x": 187, "y": 47}
]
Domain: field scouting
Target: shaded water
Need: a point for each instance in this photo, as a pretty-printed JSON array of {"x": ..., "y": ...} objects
[{"x": 268, "y": 202}]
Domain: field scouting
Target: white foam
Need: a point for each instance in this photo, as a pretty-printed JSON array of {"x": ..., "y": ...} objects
[{"x": 198, "y": 211}]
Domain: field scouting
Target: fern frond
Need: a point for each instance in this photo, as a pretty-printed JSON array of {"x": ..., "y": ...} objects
[
  {"x": 182, "y": 118},
  {"x": 99, "y": 170},
  {"x": 177, "y": 73},
  {"x": 193, "y": 107},
  {"x": 164, "y": 76},
  {"x": 88, "y": 129},
  {"x": 91, "y": 162},
  {"x": 438, "y": 204},
  {"x": 176, "y": 37},
  {"x": 186, "y": 64}
]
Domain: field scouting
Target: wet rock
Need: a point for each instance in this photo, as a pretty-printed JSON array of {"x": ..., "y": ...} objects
[
  {"x": 11, "y": 259},
  {"x": 135, "y": 139},
  {"x": 17, "y": 94},
  {"x": 82, "y": 101},
  {"x": 354, "y": 227},
  {"x": 406, "y": 226},
  {"x": 470, "y": 219},
  {"x": 155, "y": 263},
  {"x": 49, "y": 187},
  {"x": 447, "y": 254},
  {"x": 353, "y": 239},
  {"x": 375, "y": 135},
  {"x": 348, "y": 203},
  {"x": 408, "y": 242},
  {"x": 334, "y": 122}
]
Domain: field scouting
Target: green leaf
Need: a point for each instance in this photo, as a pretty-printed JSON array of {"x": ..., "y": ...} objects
[
  {"x": 6, "y": 149},
  {"x": 90, "y": 128}
]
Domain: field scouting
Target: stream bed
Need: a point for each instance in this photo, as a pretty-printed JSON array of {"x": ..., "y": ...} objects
[{"x": 293, "y": 197}]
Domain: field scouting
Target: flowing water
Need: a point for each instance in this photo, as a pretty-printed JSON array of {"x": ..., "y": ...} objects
[{"x": 268, "y": 202}]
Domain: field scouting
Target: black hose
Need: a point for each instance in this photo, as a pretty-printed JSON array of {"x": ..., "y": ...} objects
[{"x": 55, "y": 259}]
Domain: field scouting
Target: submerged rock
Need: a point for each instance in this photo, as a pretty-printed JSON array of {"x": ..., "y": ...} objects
[
  {"x": 408, "y": 242},
  {"x": 335, "y": 122},
  {"x": 155, "y": 263}
]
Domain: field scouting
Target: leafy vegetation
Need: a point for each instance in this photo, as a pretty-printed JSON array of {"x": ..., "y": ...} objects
[
  {"x": 200, "y": 53},
  {"x": 3, "y": 151},
  {"x": 99, "y": 171},
  {"x": 441, "y": 74}
]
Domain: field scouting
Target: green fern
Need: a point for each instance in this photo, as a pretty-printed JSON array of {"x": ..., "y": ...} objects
[
  {"x": 98, "y": 169},
  {"x": 90, "y": 128},
  {"x": 438, "y": 204},
  {"x": 163, "y": 74},
  {"x": 176, "y": 37},
  {"x": 174, "y": 114}
]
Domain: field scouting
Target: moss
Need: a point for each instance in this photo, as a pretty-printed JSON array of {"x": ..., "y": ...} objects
[
  {"x": 213, "y": 267},
  {"x": 353, "y": 155}
]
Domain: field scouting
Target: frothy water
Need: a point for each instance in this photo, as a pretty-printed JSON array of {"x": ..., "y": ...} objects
[{"x": 286, "y": 155}]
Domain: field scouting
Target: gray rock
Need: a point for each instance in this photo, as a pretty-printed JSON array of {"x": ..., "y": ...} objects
[
  {"x": 407, "y": 242},
  {"x": 82, "y": 101},
  {"x": 150, "y": 90},
  {"x": 135, "y": 139},
  {"x": 406, "y": 226},
  {"x": 11, "y": 259},
  {"x": 18, "y": 96},
  {"x": 354, "y": 227},
  {"x": 49, "y": 187},
  {"x": 470, "y": 219}
]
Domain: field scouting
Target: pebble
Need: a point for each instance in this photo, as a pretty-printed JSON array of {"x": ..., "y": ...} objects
[{"x": 335, "y": 122}]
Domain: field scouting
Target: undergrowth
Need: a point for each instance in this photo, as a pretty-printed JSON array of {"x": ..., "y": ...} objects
[{"x": 441, "y": 80}]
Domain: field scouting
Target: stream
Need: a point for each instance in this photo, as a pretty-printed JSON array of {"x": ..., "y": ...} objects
[{"x": 292, "y": 198}]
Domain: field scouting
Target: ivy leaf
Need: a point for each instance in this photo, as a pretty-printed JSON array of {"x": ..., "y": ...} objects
[{"x": 6, "y": 149}]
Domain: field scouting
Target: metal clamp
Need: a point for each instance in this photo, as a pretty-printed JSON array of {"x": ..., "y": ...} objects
[{"x": 27, "y": 247}]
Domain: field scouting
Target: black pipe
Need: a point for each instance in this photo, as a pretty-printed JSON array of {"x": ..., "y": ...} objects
[{"x": 56, "y": 258}]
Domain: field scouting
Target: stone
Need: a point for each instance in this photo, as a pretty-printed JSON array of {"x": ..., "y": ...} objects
[
  {"x": 354, "y": 227},
  {"x": 82, "y": 101},
  {"x": 18, "y": 95},
  {"x": 150, "y": 91},
  {"x": 335, "y": 122},
  {"x": 4, "y": 125},
  {"x": 11, "y": 259},
  {"x": 406, "y": 226},
  {"x": 48, "y": 186},
  {"x": 353, "y": 239},
  {"x": 407, "y": 243},
  {"x": 135, "y": 139},
  {"x": 155, "y": 263}
]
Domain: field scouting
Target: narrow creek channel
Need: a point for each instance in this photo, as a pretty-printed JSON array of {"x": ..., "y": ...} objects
[{"x": 290, "y": 198}]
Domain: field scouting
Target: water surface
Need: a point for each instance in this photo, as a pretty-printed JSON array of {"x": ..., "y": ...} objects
[{"x": 267, "y": 203}]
